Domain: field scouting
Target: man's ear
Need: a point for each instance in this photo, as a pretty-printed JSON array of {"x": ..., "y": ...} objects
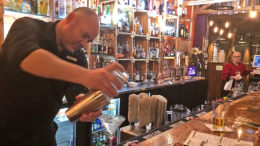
[{"x": 71, "y": 17}]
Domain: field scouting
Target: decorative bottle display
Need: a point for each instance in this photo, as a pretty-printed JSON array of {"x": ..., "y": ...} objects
[
  {"x": 170, "y": 8},
  {"x": 153, "y": 52},
  {"x": 183, "y": 31},
  {"x": 123, "y": 24},
  {"x": 170, "y": 28},
  {"x": 106, "y": 17},
  {"x": 139, "y": 51},
  {"x": 169, "y": 51}
]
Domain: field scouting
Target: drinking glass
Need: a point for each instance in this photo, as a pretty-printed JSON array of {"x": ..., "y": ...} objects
[
  {"x": 111, "y": 123},
  {"x": 220, "y": 111}
]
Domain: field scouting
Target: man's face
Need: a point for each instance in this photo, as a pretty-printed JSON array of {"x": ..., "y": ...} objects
[
  {"x": 236, "y": 57},
  {"x": 78, "y": 32}
]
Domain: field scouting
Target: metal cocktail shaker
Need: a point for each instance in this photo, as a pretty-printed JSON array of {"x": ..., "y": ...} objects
[{"x": 93, "y": 101}]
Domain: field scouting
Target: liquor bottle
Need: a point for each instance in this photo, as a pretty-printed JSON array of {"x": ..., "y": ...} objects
[
  {"x": 157, "y": 51},
  {"x": 44, "y": 5},
  {"x": 107, "y": 17},
  {"x": 56, "y": 9},
  {"x": 181, "y": 31},
  {"x": 133, "y": 3},
  {"x": 68, "y": 6},
  {"x": 186, "y": 32},
  {"x": 26, "y": 7},
  {"x": 110, "y": 48},
  {"x": 105, "y": 48},
  {"x": 98, "y": 142},
  {"x": 34, "y": 6},
  {"x": 134, "y": 50},
  {"x": 119, "y": 50},
  {"x": 127, "y": 50},
  {"x": 62, "y": 9}
]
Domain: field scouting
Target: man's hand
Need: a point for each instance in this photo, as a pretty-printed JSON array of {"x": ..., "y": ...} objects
[
  {"x": 235, "y": 77},
  {"x": 252, "y": 73},
  {"x": 88, "y": 117},
  {"x": 102, "y": 79}
]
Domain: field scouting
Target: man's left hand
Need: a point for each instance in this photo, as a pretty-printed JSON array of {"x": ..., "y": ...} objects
[
  {"x": 88, "y": 117},
  {"x": 91, "y": 116}
]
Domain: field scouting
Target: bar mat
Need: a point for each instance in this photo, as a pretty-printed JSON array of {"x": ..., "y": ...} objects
[
  {"x": 226, "y": 129},
  {"x": 203, "y": 139}
]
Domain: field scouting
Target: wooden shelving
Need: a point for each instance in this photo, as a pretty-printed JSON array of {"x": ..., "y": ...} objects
[
  {"x": 147, "y": 40},
  {"x": 170, "y": 58}
]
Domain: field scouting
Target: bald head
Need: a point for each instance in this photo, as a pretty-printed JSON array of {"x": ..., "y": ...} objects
[
  {"x": 77, "y": 29},
  {"x": 85, "y": 11}
]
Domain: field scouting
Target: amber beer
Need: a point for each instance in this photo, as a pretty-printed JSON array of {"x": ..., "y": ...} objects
[
  {"x": 220, "y": 110},
  {"x": 218, "y": 123}
]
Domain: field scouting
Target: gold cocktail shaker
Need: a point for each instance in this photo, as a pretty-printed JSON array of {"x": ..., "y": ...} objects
[{"x": 93, "y": 101}]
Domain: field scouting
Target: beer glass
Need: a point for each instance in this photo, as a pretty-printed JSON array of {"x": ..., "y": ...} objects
[{"x": 220, "y": 112}]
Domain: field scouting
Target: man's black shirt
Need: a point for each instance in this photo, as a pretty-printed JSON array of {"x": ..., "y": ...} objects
[{"x": 27, "y": 101}]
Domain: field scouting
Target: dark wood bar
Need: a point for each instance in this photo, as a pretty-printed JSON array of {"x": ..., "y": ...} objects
[{"x": 190, "y": 93}]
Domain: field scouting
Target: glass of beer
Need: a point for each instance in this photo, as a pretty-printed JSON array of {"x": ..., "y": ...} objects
[{"x": 220, "y": 111}]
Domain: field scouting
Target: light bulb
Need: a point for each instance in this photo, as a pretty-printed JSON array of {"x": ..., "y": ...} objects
[
  {"x": 221, "y": 31},
  {"x": 229, "y": 35},
  {"x": 227, "y": 24},
  {"x": 215, "y": 29},
  {"x": 252, "y": 14},
  {"x": 211, "y": 22}
]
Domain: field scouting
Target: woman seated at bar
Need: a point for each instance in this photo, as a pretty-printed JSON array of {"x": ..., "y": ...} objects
[{"x": 234, "y": 70}]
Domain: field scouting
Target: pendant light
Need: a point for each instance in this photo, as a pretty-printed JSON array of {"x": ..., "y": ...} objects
[{"x": 241, "y": 41}]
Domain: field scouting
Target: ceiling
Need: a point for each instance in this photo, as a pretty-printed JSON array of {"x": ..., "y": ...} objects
[{"x": 240, "y": 23}]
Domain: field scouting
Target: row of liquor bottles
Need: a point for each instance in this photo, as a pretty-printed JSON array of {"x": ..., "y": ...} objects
[
  {"x": 97, "y": 125},
  {"x": 171, "y": 29},
  {"x": 41, "y": 7},
  {"x": 169, "y": 51},
  {"x": 123, "y": 51},
  {"x": 102, "y": 138},
  {"x": 138, "y": 50},
  {"x": 105, "y": 48}
]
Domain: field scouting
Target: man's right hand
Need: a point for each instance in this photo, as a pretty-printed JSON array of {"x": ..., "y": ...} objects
[
  {"x": 102, "y": 79},
  {"x": 235, "y": 77}
]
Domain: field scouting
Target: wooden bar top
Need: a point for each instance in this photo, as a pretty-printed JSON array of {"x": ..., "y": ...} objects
[{"x": 247, "y": 107}]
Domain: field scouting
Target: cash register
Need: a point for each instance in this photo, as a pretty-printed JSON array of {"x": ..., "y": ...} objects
[{"x": 256, "y": 65}]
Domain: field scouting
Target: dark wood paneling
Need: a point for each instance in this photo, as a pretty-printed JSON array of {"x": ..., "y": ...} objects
[{"x": 214, "y": 81}]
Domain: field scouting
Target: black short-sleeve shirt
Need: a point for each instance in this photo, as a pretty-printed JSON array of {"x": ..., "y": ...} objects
[{"x": 27, "y": 100}]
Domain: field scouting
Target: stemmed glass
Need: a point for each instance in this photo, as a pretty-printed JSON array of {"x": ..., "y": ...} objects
[{"x": 111, "y": 123}]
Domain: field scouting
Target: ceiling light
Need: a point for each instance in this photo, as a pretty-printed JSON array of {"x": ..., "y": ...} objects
[
  {"x": 215, "y": 29},
  {"x": 253, "y": 13},
  {"x": 221, "y": 31},
  {"x": 255, "y": 44},
  {"x": 211, "y": 22},
  {"x": 241, "y": 41},
  {"x": 229, "y": 35},
  {"x": 227, "y": 24}
]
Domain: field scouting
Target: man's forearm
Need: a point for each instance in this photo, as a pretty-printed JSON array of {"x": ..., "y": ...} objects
[{"x": 44, "y": 64}]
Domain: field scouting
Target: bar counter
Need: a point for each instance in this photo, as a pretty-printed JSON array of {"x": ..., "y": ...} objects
[
  {"x": 156, "y": 85},
  {"x": 247, "y": 107}
]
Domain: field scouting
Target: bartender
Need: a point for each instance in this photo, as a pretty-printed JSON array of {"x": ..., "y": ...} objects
[
  {"x": 234, "y": 70},
  {"x": 40, "y": 62}
]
